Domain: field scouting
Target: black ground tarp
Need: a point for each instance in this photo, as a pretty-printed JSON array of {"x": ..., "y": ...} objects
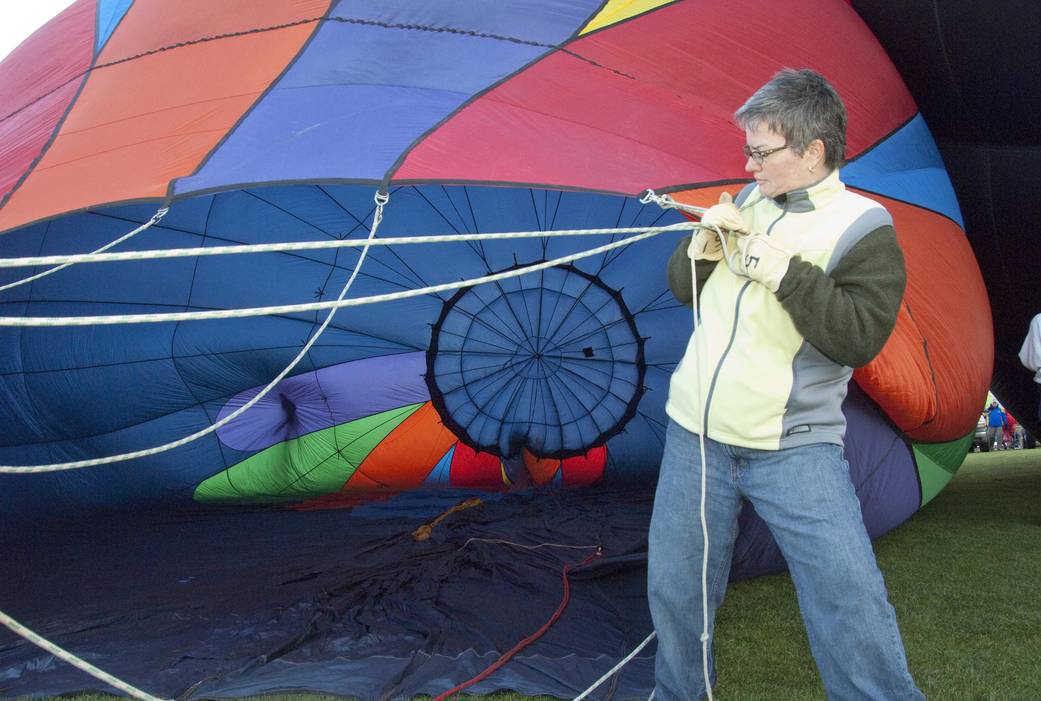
[
  {"x": 212, "y": 602},
  {"x": 234, "y": 603}
]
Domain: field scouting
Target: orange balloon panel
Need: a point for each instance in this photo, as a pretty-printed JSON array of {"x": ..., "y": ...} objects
[
  {"x": 706, "y": 196},
  {"x": 541, "y": 470},
  {"x": 932, "y": 375},
  {"x": 141, "y": 145},
  {"x": 405, "y": 457}
]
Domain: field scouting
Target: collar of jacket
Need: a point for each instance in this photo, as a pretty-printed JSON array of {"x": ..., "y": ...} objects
[{"x": 813, "y": 197}]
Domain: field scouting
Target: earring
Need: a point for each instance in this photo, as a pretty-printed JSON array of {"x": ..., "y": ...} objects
[{"x": 813, "y": 168}]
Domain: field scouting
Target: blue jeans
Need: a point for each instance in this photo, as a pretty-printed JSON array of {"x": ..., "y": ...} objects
[
  {"x": 996, "y": 437},
  {"x": 805, "y": 496}
]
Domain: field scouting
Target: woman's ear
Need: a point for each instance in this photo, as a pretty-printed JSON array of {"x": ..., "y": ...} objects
[{"x": 814, "y": 155}]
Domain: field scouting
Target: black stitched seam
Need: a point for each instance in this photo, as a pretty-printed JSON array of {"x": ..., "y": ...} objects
[{"x": 296, "y": 23}]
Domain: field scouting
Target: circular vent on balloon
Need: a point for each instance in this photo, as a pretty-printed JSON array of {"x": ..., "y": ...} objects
[{"x": 549, "y": 361}]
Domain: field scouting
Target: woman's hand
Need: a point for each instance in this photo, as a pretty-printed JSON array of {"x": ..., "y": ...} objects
[
  {"x": 724, "y": 216},
  {"x": 764, "y": 260},
  {"x": 705, "y": 246}
]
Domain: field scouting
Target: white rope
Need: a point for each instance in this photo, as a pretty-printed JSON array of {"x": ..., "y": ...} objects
[
  {"x": 496, "y": 541},
  {"x": 65, "y": 261},
  {"x": 704, "y": 486},
  {"x": 704, "y": 471},
  {"x": 666, "y": 201},
  {"x": 99, "y": 257},
  {"x": 731, "y": 258},
  {"x": 625, "y": 660},
  {"x": 313, "y": 306},
  {"x": 87, "y": 667},
  {"x": 377, "y": 217}
]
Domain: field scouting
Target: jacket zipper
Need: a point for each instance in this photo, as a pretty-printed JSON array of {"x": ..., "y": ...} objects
[{"x": 733, "y": 334}]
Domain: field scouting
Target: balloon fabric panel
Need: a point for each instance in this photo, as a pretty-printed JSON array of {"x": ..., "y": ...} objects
[
  {"x": 906, "y": 166},
  {"x": 404, "y": 458},
  {"x": 369, "y": 86},
  {"x": 38, "y": 82},
  {"x": 465, "y": 107},
  {"x": 591, "y": 115},
  {"x": 938, "y": 462},
  {"x": 933, "y": 373},
  {"x": 350, "y": 601},
  {"x": 189, "y": 375},
  {"x": 316, "y": 463},
  {"x": 139, "y": 143},
  {"x": 110, "y": 13},
  {"x": 326, "y": 397},
  {"x": 615, "y": 11}
]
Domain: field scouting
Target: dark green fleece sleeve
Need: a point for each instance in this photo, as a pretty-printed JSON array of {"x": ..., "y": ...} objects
[
  {"x": 679, "y": 273},
  {"x": 848, "y": 314}
]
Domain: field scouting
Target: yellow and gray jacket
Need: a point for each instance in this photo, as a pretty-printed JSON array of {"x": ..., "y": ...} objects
[{"x": 770, "y": 370}]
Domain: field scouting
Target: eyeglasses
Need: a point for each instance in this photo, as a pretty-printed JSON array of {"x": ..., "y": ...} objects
[{"x": 760, "y": 156}]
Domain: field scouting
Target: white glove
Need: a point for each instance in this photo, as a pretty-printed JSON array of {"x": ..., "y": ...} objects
[
  {"x": 705, "y": 246},
  {"x": 724, "y": 215},
  {"x": 764, "y": 260}
]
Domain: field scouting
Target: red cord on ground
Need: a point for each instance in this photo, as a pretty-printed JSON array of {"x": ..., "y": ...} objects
[{"x": 528, "y": 640}]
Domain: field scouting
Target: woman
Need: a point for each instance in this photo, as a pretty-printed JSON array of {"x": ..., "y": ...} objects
[{"x": 813, "y": 292}]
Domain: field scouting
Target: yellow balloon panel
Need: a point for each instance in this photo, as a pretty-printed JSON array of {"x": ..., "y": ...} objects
[{"x": 619, "y": 10}]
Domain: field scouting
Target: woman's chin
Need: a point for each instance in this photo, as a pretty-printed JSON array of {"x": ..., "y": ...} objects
[{"x": 767, "y": 189}]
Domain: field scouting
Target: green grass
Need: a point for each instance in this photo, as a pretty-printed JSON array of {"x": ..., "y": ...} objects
[{"x": 964, "y": 575}]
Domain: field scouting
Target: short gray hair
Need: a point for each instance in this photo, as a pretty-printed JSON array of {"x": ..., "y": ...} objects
[{"x": 801, "y": 106}]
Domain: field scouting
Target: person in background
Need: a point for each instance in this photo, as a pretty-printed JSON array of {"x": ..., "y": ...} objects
[
  {"x": 1015, "y": 432},
  {"x": 1030, "y": 354},
  {"x": 1008, "y": 431},
  {"x": 995, "y": 427},
  {"x": 812, "y": 292}
]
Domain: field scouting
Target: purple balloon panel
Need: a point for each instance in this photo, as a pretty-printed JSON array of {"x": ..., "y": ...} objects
[
  {"x": 315, "y": 400},
  {"x": 372, "y": 81}
]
